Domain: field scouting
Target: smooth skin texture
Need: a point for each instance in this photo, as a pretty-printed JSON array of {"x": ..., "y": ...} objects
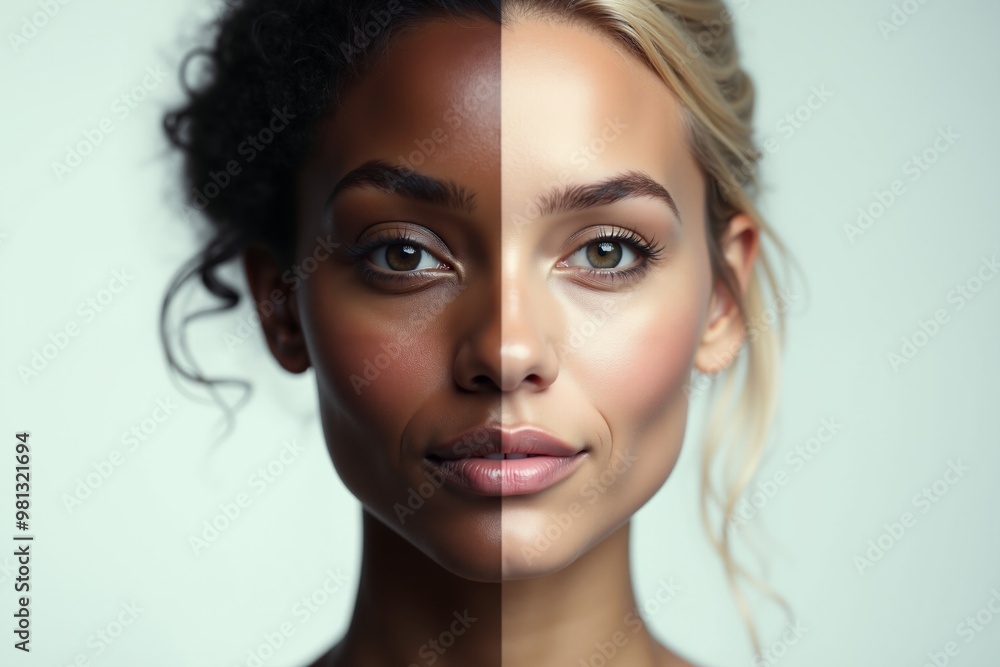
[{"x": 524, "y": 316}]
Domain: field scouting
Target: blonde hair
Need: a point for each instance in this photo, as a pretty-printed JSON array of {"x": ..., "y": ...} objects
[{"x": 691, "y": 46}]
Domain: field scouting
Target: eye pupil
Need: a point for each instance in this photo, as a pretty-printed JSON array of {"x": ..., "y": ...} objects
[
  {"x": 604, "y": 254},
  {"x": 402, "y": 257}
]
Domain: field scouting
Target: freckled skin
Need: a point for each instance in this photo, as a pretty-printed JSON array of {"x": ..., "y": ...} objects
[{"x": 519, "y": 332}]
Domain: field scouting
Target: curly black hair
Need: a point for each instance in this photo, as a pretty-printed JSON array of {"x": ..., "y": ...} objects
[{"x": 275, "y": 68}]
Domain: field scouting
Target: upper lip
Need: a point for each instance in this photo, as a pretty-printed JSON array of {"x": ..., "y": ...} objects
[{"x": 491, "y": 439}]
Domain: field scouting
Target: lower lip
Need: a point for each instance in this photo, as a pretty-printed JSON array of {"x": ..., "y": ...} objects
[{"x": 506, "y": 477}]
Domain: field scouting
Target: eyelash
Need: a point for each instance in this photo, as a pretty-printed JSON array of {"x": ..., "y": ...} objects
[
  {"x": 360, "y": 252},
  {"x": 649, "y": 252}
]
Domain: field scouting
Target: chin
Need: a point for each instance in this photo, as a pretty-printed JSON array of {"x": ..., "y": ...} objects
[
  {"x": 464, "y": 543},
  {"x": 516, "y": 568},
  {"x": 481, "y": 565},
  {"x": 541, "y": 549}
]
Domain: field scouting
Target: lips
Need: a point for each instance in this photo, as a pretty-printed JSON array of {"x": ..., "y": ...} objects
[
  {"x": 484, "y": 441},
  {"x": 492, "y": 461}
]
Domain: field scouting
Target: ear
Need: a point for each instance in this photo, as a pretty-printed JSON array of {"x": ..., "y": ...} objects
[
  {"x": 725, "y": 331},
  {"x": 279, "y": 314}
]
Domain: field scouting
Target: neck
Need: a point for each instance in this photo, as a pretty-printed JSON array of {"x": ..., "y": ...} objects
[
  {"x": 411, "y": 611},
  {"x": 580, "y": 616}
]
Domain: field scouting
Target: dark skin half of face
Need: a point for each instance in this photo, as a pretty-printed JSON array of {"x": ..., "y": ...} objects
[
  {"x": 428, "y": 339},
  {"x": 403, "y": 366}
]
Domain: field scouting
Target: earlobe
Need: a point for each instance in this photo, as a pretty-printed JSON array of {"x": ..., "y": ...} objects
[
  {"x": 725, "y": 329},
  {"x": 275, "y": 303}
]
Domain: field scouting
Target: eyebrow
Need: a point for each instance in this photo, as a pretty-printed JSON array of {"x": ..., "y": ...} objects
[
  {"x": 399, "y": 180},
  {"x": 604, "y": 193}
]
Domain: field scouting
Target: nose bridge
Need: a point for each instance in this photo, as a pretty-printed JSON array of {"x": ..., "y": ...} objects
[
  {"x": 528, "y": 319},
  {"x": 511, "y": 345},
  {"x": 520, "y": 322}
]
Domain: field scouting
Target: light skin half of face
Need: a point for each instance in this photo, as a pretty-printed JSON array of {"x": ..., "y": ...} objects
[
  {"x": 613, "y": 330},
  {"x": 520, "y": 245}
]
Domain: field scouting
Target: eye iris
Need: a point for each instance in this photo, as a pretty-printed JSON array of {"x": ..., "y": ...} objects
[
  {"x": 604, "y": 254},
  {"x": 401, "y": 257}
]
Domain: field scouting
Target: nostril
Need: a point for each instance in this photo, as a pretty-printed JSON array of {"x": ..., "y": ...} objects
[{"x": 481, "y": 382}]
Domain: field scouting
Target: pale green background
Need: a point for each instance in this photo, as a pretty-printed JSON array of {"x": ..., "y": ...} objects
[{"x": 61, "y": 240}]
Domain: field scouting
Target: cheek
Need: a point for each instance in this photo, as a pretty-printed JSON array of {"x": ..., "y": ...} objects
[
  {"x": 655, "y": 422},
  {"x": 374, "y": 371},
  {"x": 634, "y": 374},
  {"x": 638, "y": 364},
  {"x": 370, "y": 374}
]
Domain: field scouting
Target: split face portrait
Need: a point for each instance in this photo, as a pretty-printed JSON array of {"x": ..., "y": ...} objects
[{"x": 516, "y": 232}]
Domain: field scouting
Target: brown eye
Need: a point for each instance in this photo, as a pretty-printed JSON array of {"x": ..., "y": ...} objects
[
  {"x": 604, "y": 254},
  {"x": 400, "y": 257},
  {"x": 403, "y": 257},
  {"x": 611, "y": 254}
]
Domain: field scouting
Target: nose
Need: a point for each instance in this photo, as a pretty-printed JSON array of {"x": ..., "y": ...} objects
[{"x": 508, "y": 345}]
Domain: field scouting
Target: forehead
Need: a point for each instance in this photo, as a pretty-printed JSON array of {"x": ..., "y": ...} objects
[
  {"x": 433, "y": 99},
  {"x": 515, "y": 109},
  {"x": 577, "y": 105}
]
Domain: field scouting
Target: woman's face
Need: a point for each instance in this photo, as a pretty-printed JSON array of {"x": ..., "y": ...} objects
[{"x": 522, "y": 269}]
